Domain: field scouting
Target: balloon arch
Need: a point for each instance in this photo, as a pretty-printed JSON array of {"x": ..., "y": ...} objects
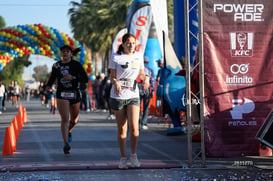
[{"x": 21, "y": 40}]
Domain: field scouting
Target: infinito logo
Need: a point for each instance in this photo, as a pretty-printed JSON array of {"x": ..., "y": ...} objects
[
  {"x": 241, "y": 44},
  {"x": 242, "y": 12},
  {"x": 235, "y": 68},
  {"x": 239, "y": 76},
  {"x": 240, "y": 107}
]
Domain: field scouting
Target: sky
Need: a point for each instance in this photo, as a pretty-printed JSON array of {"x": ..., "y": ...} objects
[{"x": 52, "y": 13}]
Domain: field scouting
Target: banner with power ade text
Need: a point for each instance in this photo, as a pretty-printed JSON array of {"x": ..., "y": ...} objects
[{"x": 238, "y": 80}]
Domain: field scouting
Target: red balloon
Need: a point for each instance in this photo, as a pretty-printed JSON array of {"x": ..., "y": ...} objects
[{"x": 89, "y": 70}]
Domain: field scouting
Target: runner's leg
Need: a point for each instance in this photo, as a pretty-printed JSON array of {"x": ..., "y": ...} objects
[
  {"x": 133, "y": 118},
  {"x": 74, "y": 115},
  {"x": 121, "y": 119},
  {"x": 63, "y": 108}
]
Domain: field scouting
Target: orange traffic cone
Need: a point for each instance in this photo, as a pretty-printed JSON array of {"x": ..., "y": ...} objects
[
  {"x": 7, "y": 148},
  {"x": 12, "y": 136},
  {"x": 25, "y": 115},
  {"x": 19, "y": 121},
  {"x": 16, "y": 127},
  {"x": 20, "y": 108},
  {"x": 21, "y": 113}
]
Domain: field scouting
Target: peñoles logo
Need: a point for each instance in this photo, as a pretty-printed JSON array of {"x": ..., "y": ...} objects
[
  {"x": 240, "y": 107},
  {"x": 242, "y": 12}
]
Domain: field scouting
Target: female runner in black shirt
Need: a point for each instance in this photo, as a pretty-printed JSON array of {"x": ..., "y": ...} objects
[{"x": 68, "y": 74}]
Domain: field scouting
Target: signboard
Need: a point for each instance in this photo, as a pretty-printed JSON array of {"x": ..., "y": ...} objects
[{"x": 238, "y": 80}]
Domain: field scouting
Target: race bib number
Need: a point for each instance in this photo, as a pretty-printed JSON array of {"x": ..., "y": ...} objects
[
  {"x": 68, "y": 94},
  {"x": 127, "y": 84}
]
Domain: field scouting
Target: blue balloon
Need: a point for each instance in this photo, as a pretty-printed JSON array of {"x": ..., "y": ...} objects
[{"x": 92, "y": 77}]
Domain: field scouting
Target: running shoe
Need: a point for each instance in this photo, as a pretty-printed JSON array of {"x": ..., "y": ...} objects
[
  {"x": 66, "y": 148},
  {"x": 145, "y": 127},
  {"x": 69, "y": 137},
  {"x": 123, "y": 163},
  {"x": 134, "y": 161}
]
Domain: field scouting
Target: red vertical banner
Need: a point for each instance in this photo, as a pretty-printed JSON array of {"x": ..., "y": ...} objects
[{"x": 238, "y": 66}]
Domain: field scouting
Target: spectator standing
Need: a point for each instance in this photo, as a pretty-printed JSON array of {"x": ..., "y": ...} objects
[
  {"x": 4, "y": 99},
  {"x": 17, "y": 93},
  {"x": 42, "y": 92},
  {"x": 27, "y": 90},
  {"x": 160, "y": 66},
  {"x": 96, "y": 87},
  {"x": 2, "y": 94},
  {"x": 83, "y": 104},
  {"x": 11, "y": 92},
  {"x": 52, "y": 98},
  {"x": 90, "y": 100},
  {"x": 103, "y": 103},
  {"x": 106, "y": 95}
]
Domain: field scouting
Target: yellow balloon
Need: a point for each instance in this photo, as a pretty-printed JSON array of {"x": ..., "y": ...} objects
[{"x": 85, "y": 66}]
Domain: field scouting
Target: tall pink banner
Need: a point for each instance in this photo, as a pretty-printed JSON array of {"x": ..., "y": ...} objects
[{"x": 238, "y": 65}]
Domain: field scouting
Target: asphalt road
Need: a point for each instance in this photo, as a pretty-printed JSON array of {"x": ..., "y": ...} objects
[{"x": 95, "y": 153}]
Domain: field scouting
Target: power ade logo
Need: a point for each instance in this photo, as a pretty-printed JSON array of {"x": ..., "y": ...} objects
[
  {"x": 241, "y": 44},
  {"x": 242, "y": 12},
  {"x": 239, "y": 76}
]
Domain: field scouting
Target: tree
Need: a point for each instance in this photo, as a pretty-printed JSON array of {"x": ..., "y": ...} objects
[
  {"x": 41, "y": 73},
  {"x": 14, "y": 70},
  {"x": 95, "y": 23},
  {"x": 2, "y": 22}
]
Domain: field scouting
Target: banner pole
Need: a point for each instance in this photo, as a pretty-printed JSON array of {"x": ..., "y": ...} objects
[
  {"x": 188, "y": 82},
  {"x": 201, "y": 83}
]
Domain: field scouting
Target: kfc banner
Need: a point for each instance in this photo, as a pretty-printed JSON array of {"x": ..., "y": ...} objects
[{"x": 238, "y": 80}]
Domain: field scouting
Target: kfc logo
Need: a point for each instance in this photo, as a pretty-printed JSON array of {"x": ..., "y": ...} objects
[{"x": 241, "y": 44}]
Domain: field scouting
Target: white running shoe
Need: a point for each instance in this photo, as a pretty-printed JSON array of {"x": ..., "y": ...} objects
[
  {"x": 145, "y": 127},
  {"x": 112, "y": 116},
  {"x": 134, "y": 161},
  {"x": 123, "y": 163}
]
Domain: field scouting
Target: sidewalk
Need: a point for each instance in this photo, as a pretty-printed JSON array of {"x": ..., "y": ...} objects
[{"x": 95, "y": 149}]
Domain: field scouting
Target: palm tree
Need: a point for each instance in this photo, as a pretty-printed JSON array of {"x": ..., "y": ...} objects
[{"x": 95, "y": 23}]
